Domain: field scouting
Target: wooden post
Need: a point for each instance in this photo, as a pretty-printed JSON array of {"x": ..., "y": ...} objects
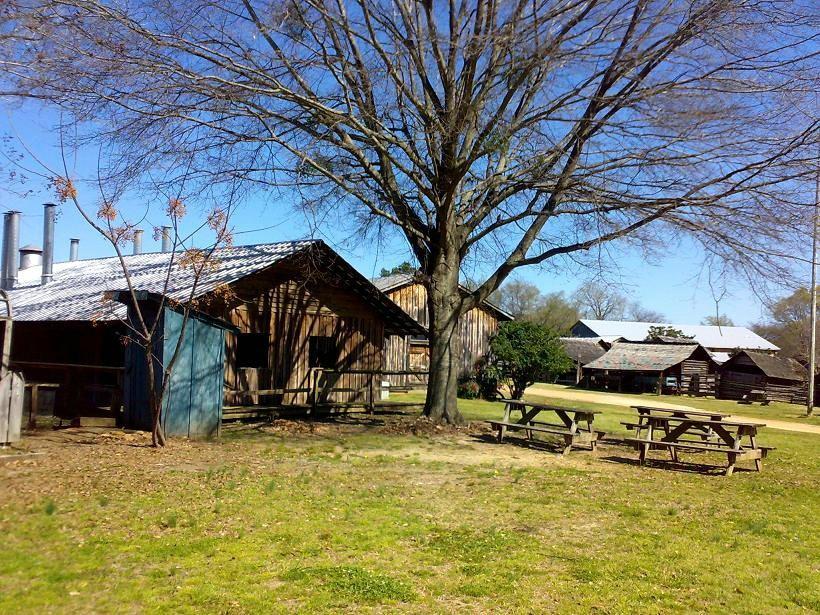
[
  {"x": 371, "y": 405},
  {"x": 34, "y": 406},
  {"x": 314, "y": 389}
]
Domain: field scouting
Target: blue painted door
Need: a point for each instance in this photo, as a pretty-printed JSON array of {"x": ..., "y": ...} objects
[{"x": 193, "y": 400}]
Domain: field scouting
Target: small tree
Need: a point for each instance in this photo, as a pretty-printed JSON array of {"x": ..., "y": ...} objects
[
  {"x": 525, "y": 352},
  {"x": 660, "y": 331},
  {"x": 405, "y": 267}
]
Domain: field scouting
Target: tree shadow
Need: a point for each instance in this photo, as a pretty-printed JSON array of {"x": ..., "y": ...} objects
[
  {"x": 552, "y": 446},
  {"x": 687, "y": 467}
]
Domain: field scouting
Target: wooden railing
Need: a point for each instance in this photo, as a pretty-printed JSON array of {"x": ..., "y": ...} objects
[{"x": 318, "y": 393}]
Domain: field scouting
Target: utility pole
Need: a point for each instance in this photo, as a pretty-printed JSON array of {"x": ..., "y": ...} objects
[{"x": 813, "y": 340}]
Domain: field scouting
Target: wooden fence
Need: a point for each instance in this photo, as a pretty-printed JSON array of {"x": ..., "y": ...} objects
[{"x": 321, "y": 389}]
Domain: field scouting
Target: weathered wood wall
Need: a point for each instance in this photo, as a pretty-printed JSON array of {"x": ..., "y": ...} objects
[
  {"x": 696, "y": 378},
  {"x": 401, "y": 353},
  {"x": 736, "y": 385},
  {"x": 289, "y": 311}
]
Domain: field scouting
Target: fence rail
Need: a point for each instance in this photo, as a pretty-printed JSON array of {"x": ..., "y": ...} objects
[{"x": 319, "y": 393}]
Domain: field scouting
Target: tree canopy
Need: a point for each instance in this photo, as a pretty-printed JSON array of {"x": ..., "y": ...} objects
[{"x": 666, "y": 331}]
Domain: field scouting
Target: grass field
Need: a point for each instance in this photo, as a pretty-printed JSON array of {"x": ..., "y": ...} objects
[{"x": 389, "y": 514}]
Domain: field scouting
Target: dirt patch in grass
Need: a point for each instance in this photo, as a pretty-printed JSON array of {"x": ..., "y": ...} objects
[{"x": 423, "y": 426}]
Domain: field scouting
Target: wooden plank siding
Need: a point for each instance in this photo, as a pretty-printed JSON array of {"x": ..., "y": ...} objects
[
  {"x": 406, "y": 353},
  {"x": 289, "y": 311}
]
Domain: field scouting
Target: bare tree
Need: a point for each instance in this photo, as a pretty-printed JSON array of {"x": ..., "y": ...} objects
[
  {"x": 186, "y": 267},
  {"x": 518, "y": 298},
  {"x": 635, "y": 311},
  {"x": 601, "y": 301},
  {"x": 717, "y": 320},
  {"x": 499, "y": 134}
]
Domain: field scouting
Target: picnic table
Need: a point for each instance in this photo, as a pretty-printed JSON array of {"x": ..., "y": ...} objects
[
  {"x": 645, "y": 412},
  {"x": 697, "y": 431},
  {"x": 575, "y": 426}
]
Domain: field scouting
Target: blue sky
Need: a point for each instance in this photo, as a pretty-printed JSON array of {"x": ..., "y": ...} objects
[{"x": 675, "y": 285}]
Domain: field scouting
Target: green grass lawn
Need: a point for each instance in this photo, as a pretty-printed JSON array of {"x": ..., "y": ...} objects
[{"x": 363, "y": 517}]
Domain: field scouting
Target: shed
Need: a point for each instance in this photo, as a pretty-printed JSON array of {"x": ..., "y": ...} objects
[
  {"x": 779, "y": 378},
  {"x": 640, "y": 367},
  {"x": 582, "y": 350},
  {"x": 192, "y": 404},
  {"x": 307, "y": 328}
]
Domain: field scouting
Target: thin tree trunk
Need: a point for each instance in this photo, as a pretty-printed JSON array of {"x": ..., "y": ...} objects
[
  {"x": 154, "y": 400},
  {"x": 444, "y": 303}
]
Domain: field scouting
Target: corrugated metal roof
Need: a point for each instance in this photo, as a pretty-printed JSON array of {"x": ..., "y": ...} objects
[
  {"x": 78, "y": 289},
  {"x": 583, "y": 349},
  {"x": 624, "y": 356},
  {"x": 391, "y": 282},
  {"x": 706, "y": 335},
  {"x": 394, "y": 281}
]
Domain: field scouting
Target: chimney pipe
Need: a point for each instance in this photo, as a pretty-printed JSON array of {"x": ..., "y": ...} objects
[
  {"x": 74, "y": 252},
  {"x": 30, "y": 256},
  {"x": 4, "y": 265},
  {"x": 138, "y": 241},
  {"x": 50, "y": 211},
  {"x": 11, "y": 226},
  {"x": 166, "y": 239}
]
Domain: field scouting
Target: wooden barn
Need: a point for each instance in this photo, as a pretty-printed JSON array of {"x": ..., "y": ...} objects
[
  {"x": 581, "y": 350},
  {"x": 647, "y": 367},
  {"x": 412, "y": 352},
  {"x": 301, "y": 326},
  {"x": 750, "y": 374}
]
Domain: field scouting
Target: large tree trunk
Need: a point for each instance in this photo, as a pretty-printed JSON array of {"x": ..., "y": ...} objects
[{"x": 444, "y": 308}]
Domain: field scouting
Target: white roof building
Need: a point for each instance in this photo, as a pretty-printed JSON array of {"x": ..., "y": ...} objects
[{"x": 719, "y": 341}]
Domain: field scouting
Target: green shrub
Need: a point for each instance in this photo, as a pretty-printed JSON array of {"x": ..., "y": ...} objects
[{"x": 524, "y": 353}]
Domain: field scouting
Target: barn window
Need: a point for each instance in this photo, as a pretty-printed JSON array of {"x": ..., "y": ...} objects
[
  {"x": 251, "y": 350},
  {"x": 323, "y": 351}
]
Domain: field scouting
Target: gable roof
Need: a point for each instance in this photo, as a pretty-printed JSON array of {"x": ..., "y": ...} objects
[
  {"x": 583, "y": 349},
  {"x": 707, "y": 336},
  {"x": 771, "y": 366},
  {"x": 640, "y": 357},
  {"x": 77, "y": 292},
  {"x": 395, "y": 281}
]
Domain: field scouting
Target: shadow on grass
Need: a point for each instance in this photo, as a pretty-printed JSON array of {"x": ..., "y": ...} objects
[
  {"x": 687, "y": 467},
  {"x": 552, "y": 446}
]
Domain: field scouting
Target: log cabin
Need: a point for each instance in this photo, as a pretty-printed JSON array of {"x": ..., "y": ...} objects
[
  {"x": 287, "y": 308},
  {"x": 648, "y": 367},
  {"x": 412, "y": 352},
  {"x": 750, "y": 374}
]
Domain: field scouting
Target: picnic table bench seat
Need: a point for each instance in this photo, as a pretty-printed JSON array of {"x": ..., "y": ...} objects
[
  {"x": 733, "y": 455},
  {"x": 570, "y": 429},
  {"x": 697, "y": 431}
]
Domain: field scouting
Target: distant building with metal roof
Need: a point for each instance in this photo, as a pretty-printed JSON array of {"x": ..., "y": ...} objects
[{"x": 719, "y": 341}]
